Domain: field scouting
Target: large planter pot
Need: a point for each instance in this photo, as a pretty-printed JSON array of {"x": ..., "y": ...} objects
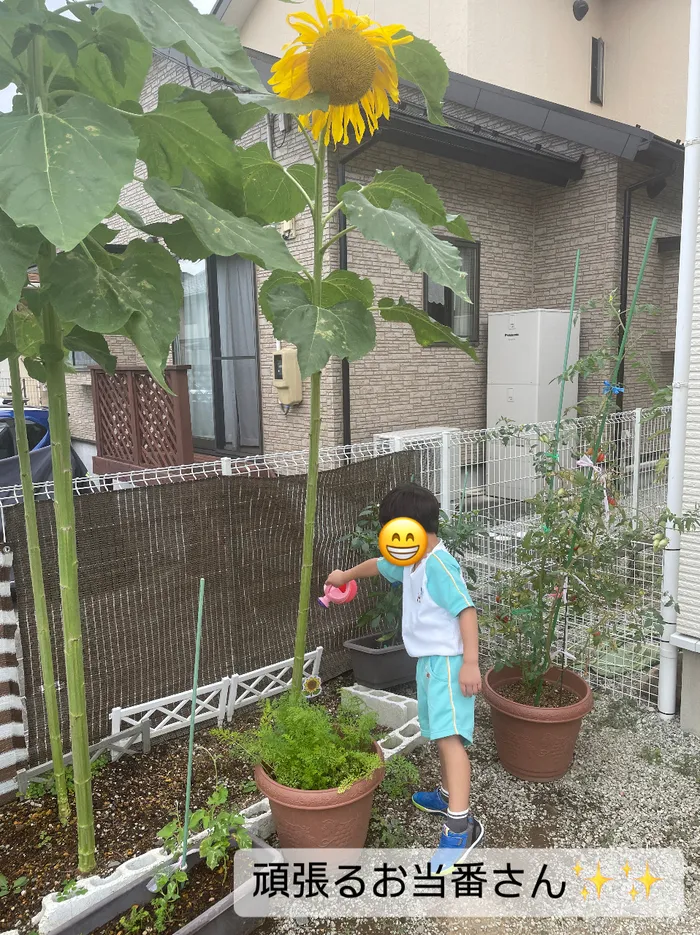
[
  {"x": 536, "y": 743},
  {"x": 377, "y": 666},
  {"x": 327, "y": 818}
]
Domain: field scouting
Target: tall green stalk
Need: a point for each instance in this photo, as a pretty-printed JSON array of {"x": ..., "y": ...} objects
[
  {"x": 585, "y": 498},
  {"x": 307, "y": 555},
  {"x": 41, "y": 615},
  {"x": 68, "y": 579}
]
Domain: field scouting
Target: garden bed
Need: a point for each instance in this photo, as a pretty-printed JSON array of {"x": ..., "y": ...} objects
[{"x": 133, "y": 799}]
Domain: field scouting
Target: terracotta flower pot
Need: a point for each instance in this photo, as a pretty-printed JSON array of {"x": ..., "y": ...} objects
[
  {"x": 305, "y": 818},
  {"x": 536, "y": 743}
]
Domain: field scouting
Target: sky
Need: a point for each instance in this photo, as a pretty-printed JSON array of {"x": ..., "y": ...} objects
[{"x": 6, "y": 95}]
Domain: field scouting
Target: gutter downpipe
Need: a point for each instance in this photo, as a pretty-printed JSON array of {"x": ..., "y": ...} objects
[
  {"x": 343, "y": 265},
  {"x": 679, "y": 413}
]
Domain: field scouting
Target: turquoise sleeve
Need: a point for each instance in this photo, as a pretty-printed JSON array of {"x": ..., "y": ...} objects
[
  {"x": 445, "y": 584},
  {"x": 391, "y": 572}
]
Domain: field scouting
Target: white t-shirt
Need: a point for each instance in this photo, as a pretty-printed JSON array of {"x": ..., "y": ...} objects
[{"x": 434, "y": 595}]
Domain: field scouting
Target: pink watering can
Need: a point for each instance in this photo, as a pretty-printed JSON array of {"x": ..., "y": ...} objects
[{"x": 338, "y": 595}]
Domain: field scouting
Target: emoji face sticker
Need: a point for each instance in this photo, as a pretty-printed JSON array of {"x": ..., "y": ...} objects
[{"x": 403, "y": 541}]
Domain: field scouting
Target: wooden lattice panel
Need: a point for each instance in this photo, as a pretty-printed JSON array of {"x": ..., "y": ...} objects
[
  {"x": 113, "y": 415},
  {"x": 155, "y": 414}
]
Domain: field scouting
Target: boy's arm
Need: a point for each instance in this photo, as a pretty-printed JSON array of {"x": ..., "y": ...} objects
[
  {"x": 338, "y": 578},
  {"x": 469, "y": 674}
]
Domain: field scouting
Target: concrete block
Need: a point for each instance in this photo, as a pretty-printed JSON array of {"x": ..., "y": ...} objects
[
  {"x": 98, "y": 889},
  {"x": 392, "y": 710},
  {"x": 690, "y": 693},
  {"x": 259, "y": 820},
  {"x": 403, "y": 739}
]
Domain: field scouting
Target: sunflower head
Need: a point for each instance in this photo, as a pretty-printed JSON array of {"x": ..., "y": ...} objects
[
  {"x": 312, "y": 686},
  {"x": 347, "y": 57}
]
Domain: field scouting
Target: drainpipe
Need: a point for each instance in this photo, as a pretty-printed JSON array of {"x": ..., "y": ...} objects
[
  {"x": 343, "y": 265},
  {"x": 679, "y": 412}
]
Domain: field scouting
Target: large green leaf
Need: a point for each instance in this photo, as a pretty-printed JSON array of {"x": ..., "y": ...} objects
[
  {"x": 420, "y": 63},
  {"x": 180, "y": 239},
  {"x": 414, "y": 242},
  {"x": 427, "y": 331},
  {"x": 231, "y": 116},
  {"x": 93, "y": 344},
  {"x": 29, "y": 335},
  {"x": 219, "y": 230},
  {"x": 63, "y": 172},
  {"x": 274, "y": 104},
  {"x": 346, "y": 330},
  {"x": 411, "y": 190},
  {"x": 183, "y": 135},
  {"x": 176, "y": 23},
  {"x": 19, "y": 249},
  {"x": 269, "y": 193},
  {"x": 112, "y": 62},
  {"x": 101, "y": 292},
  {"x": 339, "y": 286}
]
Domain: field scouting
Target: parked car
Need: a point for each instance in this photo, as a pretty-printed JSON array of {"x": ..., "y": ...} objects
[{"x": 37, "y": 431}]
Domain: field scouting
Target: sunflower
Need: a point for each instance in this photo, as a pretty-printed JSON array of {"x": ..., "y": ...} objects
[
  {"x": 312, "y": 686},
  {"x": 349, "y": 58}
]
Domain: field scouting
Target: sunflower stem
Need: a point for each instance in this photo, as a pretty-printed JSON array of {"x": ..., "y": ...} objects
[
  {"x": 41, "y": 616},
  {"x": 336, "y": 237},
  {"x": 314, "y": 441}
]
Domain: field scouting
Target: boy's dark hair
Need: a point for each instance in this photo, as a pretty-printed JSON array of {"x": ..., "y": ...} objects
[{"x": 413, "y": 501}]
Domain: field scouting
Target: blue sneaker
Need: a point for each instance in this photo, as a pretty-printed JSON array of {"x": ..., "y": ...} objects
[
  {"x": 455, "y": 848},
  {"x": 433, "y": 802}
]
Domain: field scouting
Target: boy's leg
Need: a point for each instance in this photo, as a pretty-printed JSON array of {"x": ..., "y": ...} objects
[{"x": 456, "y": 772}]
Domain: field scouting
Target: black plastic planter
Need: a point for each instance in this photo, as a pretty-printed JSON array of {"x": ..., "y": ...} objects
[
  {"x": 377, "y": 666},
  {"x": 219, "y": 919}
]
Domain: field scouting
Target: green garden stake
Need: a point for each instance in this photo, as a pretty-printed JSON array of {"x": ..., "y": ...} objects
[
  {"x": 554, "y": 453},
  {"x": 190, "y": 752}
]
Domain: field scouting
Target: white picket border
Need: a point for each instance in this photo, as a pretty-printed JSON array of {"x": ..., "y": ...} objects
[
  {"x": 279, "y": 679},
  {"x": 216, "y": 701}
]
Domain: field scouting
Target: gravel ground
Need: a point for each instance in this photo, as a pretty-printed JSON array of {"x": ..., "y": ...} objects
[{"x": 635, "y": 782}]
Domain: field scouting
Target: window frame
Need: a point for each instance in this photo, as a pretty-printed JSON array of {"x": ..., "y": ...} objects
[
  {"x": 474, "y": 245},
  {"x": 597, "y": 95}
]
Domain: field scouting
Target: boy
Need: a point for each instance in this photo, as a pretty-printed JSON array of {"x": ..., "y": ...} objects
[{"x": 439, "y": 627}]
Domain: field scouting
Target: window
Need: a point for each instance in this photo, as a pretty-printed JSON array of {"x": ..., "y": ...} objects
[
  {"x": 447, "y": 308},
  {"x": 597, "y": 71},
  {"x": 81, "y": 360}
]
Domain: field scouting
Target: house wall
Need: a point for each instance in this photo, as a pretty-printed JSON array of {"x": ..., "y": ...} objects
[
  {"x": 536, "y": 48},
  {"x": 688, "y": 589},
  {"x": 529, "y": 233}
]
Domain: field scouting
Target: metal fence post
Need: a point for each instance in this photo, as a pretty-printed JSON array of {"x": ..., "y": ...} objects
[
  {"x": 447, "y": 445},
  {"x": 227, "y": 467},
  {"x": 637, "y": 462}
]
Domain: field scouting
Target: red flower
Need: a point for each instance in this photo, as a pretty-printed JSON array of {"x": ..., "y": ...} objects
[
  {"x": 498, "y": 598},
  {"x": 612, "y": 501}
]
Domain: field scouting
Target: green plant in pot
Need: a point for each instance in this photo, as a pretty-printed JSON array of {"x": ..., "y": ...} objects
[
  {"x": 379, "y": 659},
  {"x": 570, "y": 563}
]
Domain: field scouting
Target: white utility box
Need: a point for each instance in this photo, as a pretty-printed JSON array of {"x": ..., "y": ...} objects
[{"x": 525, "y": 357}]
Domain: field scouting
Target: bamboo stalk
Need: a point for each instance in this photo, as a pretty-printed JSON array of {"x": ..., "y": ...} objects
[
  {"x": 307, "y": 557},
  {"x": 53, "y": 354},
  {"x": 190, "y": 750},
  {"x": 41, "y": 615}
]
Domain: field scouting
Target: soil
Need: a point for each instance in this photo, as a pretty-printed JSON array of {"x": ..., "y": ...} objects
[
  {"x": 132, "y": 799},
  {"x": 553, "y": 695},
  {"x": 204, "y": 888}
]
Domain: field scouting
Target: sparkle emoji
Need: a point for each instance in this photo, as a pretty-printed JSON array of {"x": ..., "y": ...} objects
[{"x": 403, "y": 541}]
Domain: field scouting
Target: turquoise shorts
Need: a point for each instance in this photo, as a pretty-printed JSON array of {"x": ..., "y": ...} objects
[{"x": 443, "y": 710}]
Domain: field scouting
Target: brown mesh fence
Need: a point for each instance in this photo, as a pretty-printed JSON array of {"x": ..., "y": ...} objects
[{"x": 141, "y": 553}]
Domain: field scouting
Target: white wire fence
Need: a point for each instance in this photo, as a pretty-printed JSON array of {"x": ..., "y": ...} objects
[{"x": 492, "y": 474}]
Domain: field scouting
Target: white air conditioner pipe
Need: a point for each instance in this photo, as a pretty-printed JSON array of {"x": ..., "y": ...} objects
[{"x": 686, "y": 284}]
